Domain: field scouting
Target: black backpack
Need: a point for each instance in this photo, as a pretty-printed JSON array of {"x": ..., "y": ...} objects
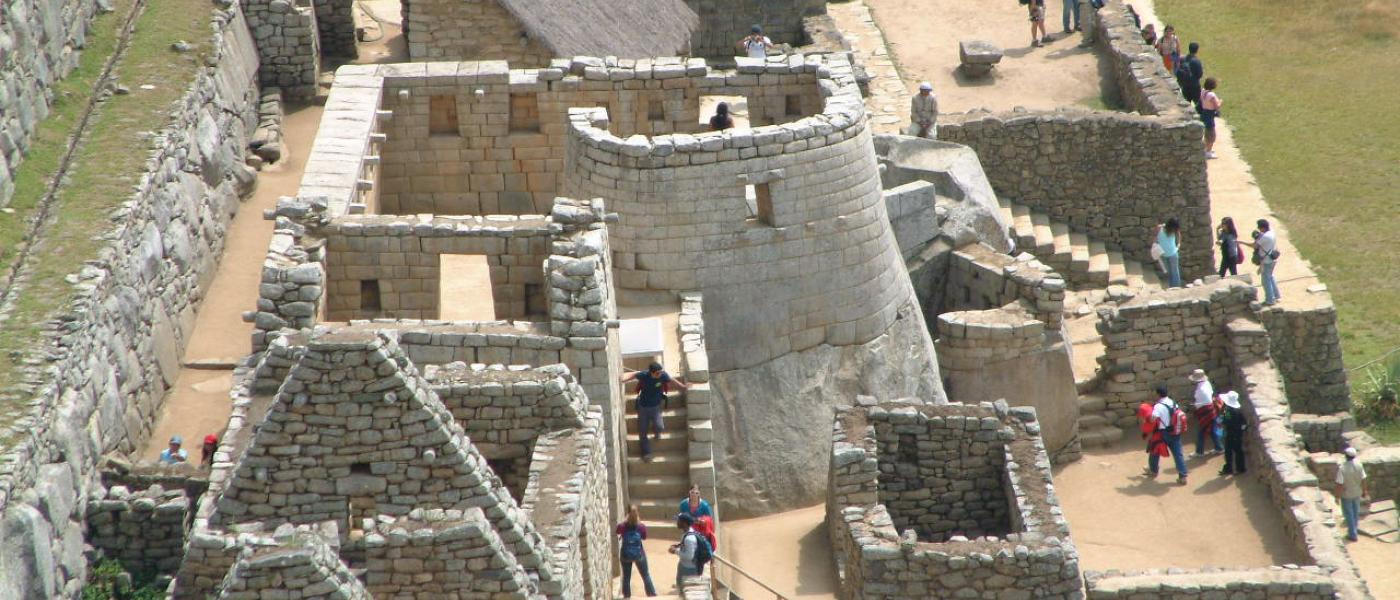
[{"x": 703, "y": 553}]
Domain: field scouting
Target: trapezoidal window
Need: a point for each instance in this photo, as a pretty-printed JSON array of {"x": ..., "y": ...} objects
[
  {"x": 792, "y": 105},
  {"x": 656, "y": 110},
  {"x": 369, "y": 294},
  {"x": 759, "y": 200},
  {"x": 525, "y": 113},
  {"x": 442, "y": 116}
]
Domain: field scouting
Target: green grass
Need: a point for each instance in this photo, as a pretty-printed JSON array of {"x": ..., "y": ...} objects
[
  {"x": 1313, "y": 92},
  {"x": 106, "y": 167}
]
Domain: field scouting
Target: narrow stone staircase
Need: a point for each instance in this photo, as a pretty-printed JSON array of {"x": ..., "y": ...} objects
[
  {"x": 1085, "y": 263},
  {"x": 658, "y": 486},
  {"x": 1096, "y": 426}
]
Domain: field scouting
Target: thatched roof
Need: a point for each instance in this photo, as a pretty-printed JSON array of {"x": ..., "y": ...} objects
[{"x": 621, "y": 28}]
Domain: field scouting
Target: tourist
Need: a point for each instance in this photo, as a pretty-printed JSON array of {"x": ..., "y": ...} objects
[
  {"x": 1351, "y": 488},
  {"x": 1169, "y": 240},
  {"x": 1163, "y": 413},
  {"x": 174, "y": 454},
  {"x": 1188, "y": 75},
  {"x": 206, "y": 452},
  {"x": 1229, "y": 241},
  {"x": 695, "y": 506},
  {"x": 1233, "y": 421},
  {"x": 1210, "y": 110},
  {"x": 1037, "y": 13},
  {"x": 923, "y": 111},
  {"x": 1071, "y": 8},
  {"x": 633, "y": 532},
  {"x": 651, "y": 396},
  {"x": 1204, "y": 409},
  {"x": 1149, "y": 35},
  {"x": 1170, "y": 48},
  {"x": 1266, "y": 255},
  {"x": 756, "y": 44},
  {"x": 689, "y": 553},
  {"x": 1148, "y": 428},
  {"x": 721, "y": 121}
]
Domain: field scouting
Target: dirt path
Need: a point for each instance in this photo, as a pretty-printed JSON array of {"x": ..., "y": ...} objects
[
  {"x": 1122, "y": 520},
  {"x": 789, "y": 551}
]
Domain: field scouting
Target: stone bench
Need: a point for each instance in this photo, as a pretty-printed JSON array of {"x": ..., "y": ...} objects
[{"x": 978, "y": 57}]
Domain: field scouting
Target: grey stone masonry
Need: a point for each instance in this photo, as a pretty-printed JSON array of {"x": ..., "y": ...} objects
[
  {"x": 95, "y": 382},
  {"x": 1158, "y": 339},
  {"x": 335, "y": 22},
  {"x": 977, "y": 57},
  {"x": 980, "y": 278},
  {"x": 302, "y": 565},
  {"x": 972, "y": 484},
  {"x": 41, "y": 40},
  {"x": 433, "y": 554},
  {"x": 469, "y": 29},
  {"x": 289, "y": 47},
  {"x": 699, "y": 398},
  {"x": 1308, "y": 352},
  {"x": 144, "y": 529},
  {"x": 1277, "y": 583},
  {"x": 1111, "y": 175},
  {"x": 567, "y": 498},
  {"x": 724, "y": 22},
  {"x": 1322, "y": 433}
]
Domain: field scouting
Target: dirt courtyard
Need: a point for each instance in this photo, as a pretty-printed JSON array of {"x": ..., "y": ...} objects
[
  {"x": 923, "y": 36},
  {"x": 1123, "y": 520}
]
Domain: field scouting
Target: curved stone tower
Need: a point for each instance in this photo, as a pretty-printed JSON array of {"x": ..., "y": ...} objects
[{"x": 783, "y": 229}]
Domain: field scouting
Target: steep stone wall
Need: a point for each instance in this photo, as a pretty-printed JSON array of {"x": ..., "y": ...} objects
[
  {"x": 470, "y": 30},
  {"x": 144, "y": 529},
  {"x": 1308, "y": 352},
  {"x": 1113, "y": 176},
  {"x": 724, "y": 22},
  {"x": 119, "y": 346},
  {"x": 39, "y": 45},
  {"x": 289, "y": 47}
]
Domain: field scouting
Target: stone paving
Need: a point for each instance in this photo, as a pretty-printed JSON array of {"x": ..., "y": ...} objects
[{"x": 888, "y": 102}]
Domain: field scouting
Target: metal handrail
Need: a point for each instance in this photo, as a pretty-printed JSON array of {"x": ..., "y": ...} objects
[{"x": 714, "y": 574}]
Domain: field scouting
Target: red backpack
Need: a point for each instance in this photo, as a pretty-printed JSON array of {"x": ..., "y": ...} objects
[{"x": 1179, "y": 422}]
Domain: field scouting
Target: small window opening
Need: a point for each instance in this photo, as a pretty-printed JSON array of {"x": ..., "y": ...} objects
[
  {"x": 359, "y": 468},
  {"x": 369, "y": 294},
  {"x": 524, "y": 113},
  {"x": 442, "y": 115},
  {"x": 535, "y": 301},
  {"x": 656, "y": 111},
  {"x": 760, "y": 203},
  {"x": 792, "y": 105}
]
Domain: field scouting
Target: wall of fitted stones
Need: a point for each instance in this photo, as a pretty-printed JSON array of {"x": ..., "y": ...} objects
[
  {"x": 96, "y": 382},
  {"x": 1322, "y": 433},
  {"x": 1308, "y": 352},
  {"x": 442, "y": 553},
  {"x": 1305, "y": 583},
  {"x": 771, "y": 288},
  {"x": 1111, "y": 175},
  {"x": 289, "y": 46},
  {"x": 494, "y": 161},
  {"x": 1160, "y": 338},
  {"x": 724, "y": 22},
  {"x": 1272, "y": 449},
  {"x": 469, "y": 30},
  {"x": 699, "y": 398},
  {"x": 335, "y": 22},
  {"x": 875, "y": 561},
  {"x": 306, "y": 566},
  {"x": 402, "y": 255},
  {"x": 1382, "y": 465},
  {"x": 567, "y": 499},
  {"x": 144, "y": 529},
  {"x": 980, "y": 278},
  {"x": 42, "y": 40}
]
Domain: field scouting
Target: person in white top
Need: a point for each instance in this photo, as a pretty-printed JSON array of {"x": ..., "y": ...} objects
[
  {"x": 1266, "y": 254},
  {"x": 1162, "y": 417},
  {"x": 1204, "y": 409},
  {"x": 756, "y": 44},
  {"x": 923, "y": 111},
  {"x": 1351, "y": 488}
]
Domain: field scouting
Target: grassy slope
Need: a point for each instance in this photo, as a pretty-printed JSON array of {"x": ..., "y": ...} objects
[
  {"x": 106, "y": 167},
  {"x": 1313, "y": 91}
]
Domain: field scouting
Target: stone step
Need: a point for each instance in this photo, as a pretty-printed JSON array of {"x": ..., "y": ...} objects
[
  {"x": 1092, "y": 421},
  {"x": 1092, "y": 404},
  {"x": 658, "y": 509},
  {"x": 671, "y": 440},
  {"x": 1098, "y": 264},
  {"x": 659, "y": 487},
  {"x": 1062, "y": 256},
  {"x": 660, "y": 529},
  {"x": 1117, "y": 270},
  {"x": 1025, "y": 229},
  {"x": 1098, "y": 438},
  {"x": 1044, "y": 237},
  {"x": 1078, "y": 253},
  {"x": 674, "y": 419},
  {"x": 671, "y": 463}
]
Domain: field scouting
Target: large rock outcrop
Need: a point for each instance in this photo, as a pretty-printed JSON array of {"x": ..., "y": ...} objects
[{"x": 967, "y": 206}]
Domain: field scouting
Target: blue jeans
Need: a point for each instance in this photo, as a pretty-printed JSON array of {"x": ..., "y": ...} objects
[
  {"x": 1351, "y": 511},
  {"x": 1174, "y": 445},
  {"x": 1071, "y": 7},
  {"x": 1173, "y": 266},
  {"x": 627, "y": 577},
  {"x": 1266, "y": 273},
  {"x": 683, "y": 571},
  {"x": 648, "y": 421},
  {"x": 1201, "y": 439}
]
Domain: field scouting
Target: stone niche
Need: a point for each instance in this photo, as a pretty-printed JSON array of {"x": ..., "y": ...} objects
[{"x": 945, "y": 501}]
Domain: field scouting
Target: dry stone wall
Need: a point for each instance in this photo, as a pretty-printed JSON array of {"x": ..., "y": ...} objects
[
  {"x": 1298, "y": 583},
  {"x": 302, "y": 565},
  {"x": 980, "y": 278},
  {"x": 469, "y": 30},
  {"x": 724, "y": 22},
  {"x": 1308, "y": 352},
  {"x": 289, "y": 47},
  {"x": 1113, "y": 176},
  {"x": 40, "y": 41},
  {"x": 144, "y": 529},
  {"x": 567, "y": 499},
  {"x": 96, "y": 383},
  {"x": 442, "y": 554}
]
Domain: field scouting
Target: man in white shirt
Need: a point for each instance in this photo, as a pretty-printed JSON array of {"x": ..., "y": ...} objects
[
  {"x": 1266, "y": 247},
  {"x": 756, "y": 44},
  {"x": 686, "y": 565},
  {"x": 1204, "y": 409},
  {"x": 1351, "y": 488},
  {"x": 923, "y": 111},
  {"x": 1162, "y": 417}
]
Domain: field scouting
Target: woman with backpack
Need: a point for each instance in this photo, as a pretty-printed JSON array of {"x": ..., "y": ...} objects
[
  {"x": 633, "y": 533},
  {"x": 1229, "y": 241},
  {"x": 1168, "y": 242}
]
